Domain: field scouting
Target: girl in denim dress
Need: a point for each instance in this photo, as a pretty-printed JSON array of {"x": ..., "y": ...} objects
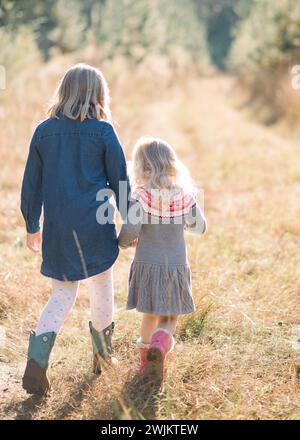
[{"x": 73, "y": 156}]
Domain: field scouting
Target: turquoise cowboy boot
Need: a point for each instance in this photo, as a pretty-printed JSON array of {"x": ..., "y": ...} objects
[
  {"x": 35, "y": 379},
  {"x": 102, "y": 349}
]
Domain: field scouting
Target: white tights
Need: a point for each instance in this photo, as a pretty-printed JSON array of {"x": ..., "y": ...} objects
[{"x": 63, "y": 297}]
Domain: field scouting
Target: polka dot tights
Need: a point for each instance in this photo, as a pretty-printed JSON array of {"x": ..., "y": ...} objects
[{"x": 63, "y": 297}]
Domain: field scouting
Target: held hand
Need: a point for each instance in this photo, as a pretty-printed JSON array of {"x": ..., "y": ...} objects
[{"x": 34, "y": 241}]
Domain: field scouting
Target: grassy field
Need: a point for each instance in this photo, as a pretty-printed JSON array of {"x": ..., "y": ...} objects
[{"x": 238, "y": 356}]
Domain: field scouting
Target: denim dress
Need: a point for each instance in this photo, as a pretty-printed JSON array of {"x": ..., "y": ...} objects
[{"x": 68, "y": 163}]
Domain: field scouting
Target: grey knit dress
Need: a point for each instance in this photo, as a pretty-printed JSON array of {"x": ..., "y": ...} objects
[{"x": 160, "y": 276}]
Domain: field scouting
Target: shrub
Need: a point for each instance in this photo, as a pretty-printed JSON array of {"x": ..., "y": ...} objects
[
  {"x": 267, "y": 44},
  {"x": 18, "y": 51},
  {"x": 269, "y": 37},
  {"x": 136, "y": 29},
  {"x": 193, "y": 326}
]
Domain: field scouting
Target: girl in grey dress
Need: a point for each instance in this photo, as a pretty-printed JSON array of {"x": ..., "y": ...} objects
[{"x": 162, "y": 207}]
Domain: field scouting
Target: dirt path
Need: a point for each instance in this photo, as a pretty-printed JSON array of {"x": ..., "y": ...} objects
[{"x": 237, "y": 361}]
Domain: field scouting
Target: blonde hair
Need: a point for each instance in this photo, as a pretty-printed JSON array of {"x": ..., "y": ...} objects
[
  {"x": 156, "y": 166},
  {"x": 82, "y": 93}
]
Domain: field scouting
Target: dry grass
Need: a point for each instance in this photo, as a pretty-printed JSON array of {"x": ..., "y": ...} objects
[{"x": 238, "y": 356}]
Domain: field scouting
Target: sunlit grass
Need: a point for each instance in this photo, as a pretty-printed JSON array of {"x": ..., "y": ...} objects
[{"x": 236, "y": 356}]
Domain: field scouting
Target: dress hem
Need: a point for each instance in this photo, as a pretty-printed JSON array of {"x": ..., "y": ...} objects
[
  {"x": 91, "y": 273},
  {"x": 186, "y": 264},
  {"x": 153, "y": 312}
]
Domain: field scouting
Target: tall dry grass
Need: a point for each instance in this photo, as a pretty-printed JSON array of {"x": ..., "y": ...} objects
[{"x": 237, "y": 356}]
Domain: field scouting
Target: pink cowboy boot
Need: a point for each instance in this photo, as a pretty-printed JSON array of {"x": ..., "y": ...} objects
[
  {"x": 162, "y": 343},
  {"x": 143, "y": 355}
]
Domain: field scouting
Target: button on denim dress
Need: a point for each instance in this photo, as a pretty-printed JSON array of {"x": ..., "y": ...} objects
[{"x": 68, "y": 163}]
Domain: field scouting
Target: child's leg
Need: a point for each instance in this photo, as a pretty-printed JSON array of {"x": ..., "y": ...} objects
[
  {"x": 149, "y": 324},
  {"x": 102, "y": 325},
  {"x": 165, "y": 330},
  {"x": 162, "y": 342},
  {"x": 58, "y": 307},
  {"x": 35, "y": 380},
  {"x": 168, "y": 323},
  {"x": 101, "y": 299}
]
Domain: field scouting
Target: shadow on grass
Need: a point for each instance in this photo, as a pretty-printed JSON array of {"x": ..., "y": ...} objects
[
  {"x": 139, "y": 399},
  {"x": 26, "y": 409},
  {"x": 76, "y": 397},
  {"x": 30, "y": 406}
]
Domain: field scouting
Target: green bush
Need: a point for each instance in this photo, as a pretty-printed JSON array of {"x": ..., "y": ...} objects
[
  {"x": 69, "y": 33},
  {"x": 193, "y": 326},
  {"x": 137, "y": 28},
  {"x": 267, "y": 38},
  {"x": 18, "y": 51},
  {"x": 267, "y": 44}
]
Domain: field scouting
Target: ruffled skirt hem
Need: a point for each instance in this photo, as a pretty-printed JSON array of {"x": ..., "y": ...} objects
[{"x": 160, "y": 289}]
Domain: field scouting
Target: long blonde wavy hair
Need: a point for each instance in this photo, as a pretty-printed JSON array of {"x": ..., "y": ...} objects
[
  {"x": 82, "y": 93},
  {"x": 155, "y": 165}
]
